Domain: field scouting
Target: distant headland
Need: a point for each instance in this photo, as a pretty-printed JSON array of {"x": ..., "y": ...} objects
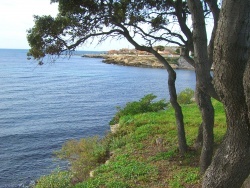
[{"x": 135, "y": 58}]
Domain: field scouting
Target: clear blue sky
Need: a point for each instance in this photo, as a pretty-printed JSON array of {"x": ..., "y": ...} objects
[{"x": 16, "y": 16}]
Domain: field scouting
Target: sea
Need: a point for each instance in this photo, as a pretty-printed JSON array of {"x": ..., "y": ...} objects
[{"x": 43, "y": 106}]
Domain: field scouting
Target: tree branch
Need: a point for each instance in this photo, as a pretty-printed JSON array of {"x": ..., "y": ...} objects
[
  {"x": 215, "y": 11},
  {"x": 82, "y": 40}
]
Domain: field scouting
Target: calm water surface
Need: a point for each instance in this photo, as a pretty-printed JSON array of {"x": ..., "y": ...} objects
[{"x": 43, "y": 106}]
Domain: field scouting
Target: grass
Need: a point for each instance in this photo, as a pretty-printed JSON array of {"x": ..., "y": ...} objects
[{"x": 134, "y": 158}]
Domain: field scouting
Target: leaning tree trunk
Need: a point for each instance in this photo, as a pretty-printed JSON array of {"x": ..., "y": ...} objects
[
  {"x": 231, "y": 163},
  {"x": 182, "y": 143},
  {"x": 203, "y": 82},
  {"x": 173, "y": 100}
]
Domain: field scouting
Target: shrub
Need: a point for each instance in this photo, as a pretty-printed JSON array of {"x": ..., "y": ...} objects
[
  {"x": 185, "y": 96},
  {"x": 57, "y": 179},
  {"x": 144, "y": 105},
  {"x": 84, "y": 155},
  {"x": 172, "y": 60}
]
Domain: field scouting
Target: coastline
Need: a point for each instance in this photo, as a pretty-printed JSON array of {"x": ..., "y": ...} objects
[{"x": 147, "y": 61}]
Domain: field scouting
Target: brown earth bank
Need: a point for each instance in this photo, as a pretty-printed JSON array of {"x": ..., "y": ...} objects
[{"x": 149, "y": 61}]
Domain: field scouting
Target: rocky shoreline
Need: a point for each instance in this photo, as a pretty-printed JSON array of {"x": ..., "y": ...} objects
[{"x": 147, "y": 61}]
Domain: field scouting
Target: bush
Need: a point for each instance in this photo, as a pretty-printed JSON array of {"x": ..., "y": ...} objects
[
  {"x": 185, "y": 96},
  {"x": 144, "y": 105},
  {"x": 57, "y": 179},
  {"x": 84, "y": 155},
  {"x": 172, "y": 60}
]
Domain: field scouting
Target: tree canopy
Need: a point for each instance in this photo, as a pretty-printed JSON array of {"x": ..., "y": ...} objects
[{"x": 81, "y": 21}]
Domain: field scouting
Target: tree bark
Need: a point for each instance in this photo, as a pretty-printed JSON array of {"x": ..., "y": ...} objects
[
  {"x": 203, "y": 80},
  {"x": 246, "y": 85},
  {"x": 199, "y": 139},
  {"x": 207, "y": 113},
  {"x": 182, "y": 143},
  {"x": 215, "y": 11},
  {"x": 173, "y": 100},
  {"x": 231, "y": 164}
]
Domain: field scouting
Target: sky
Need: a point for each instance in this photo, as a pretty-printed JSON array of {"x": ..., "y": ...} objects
[{"x": 16, "y": 17}]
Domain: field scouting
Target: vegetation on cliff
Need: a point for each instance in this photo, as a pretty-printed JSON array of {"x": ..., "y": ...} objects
[{"x": 142, "y": 153}]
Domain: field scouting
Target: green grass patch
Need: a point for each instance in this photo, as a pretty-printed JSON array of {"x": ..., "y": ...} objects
[
  {"x": 183, "y": 177},
  {"x": 121, "y": 172},
  {"x": 164, "y": 155},
  {"x": 135, "y": 159}
]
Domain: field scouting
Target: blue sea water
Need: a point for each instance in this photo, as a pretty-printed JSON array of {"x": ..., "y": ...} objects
[{"x": 41, "y": 107}]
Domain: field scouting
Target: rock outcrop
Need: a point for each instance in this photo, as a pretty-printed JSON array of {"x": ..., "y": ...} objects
[
  {"x": 114, "y": 128},
  {"x": 142, "y": 61}
]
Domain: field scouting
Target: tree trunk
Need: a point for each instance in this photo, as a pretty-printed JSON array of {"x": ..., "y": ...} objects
[
  {"x": 203, "y": 81},
  {"x": 207, "y": 113},
  {"x": 173, "y": 100},
  {"x": 199, "y": 139},
  {"x": 178, "y": 114},
  {"x": 215, "y": 11},
  {"x": 246, "y": 85},
  {"x": 171, "y": 87},
  {"x": 231, "y": 164}
]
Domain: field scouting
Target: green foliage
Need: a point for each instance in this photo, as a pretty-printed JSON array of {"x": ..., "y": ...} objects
[
  {"x": 117, "y": 142},
  {"x": 41, "y": 36},
  {"x": 135, "y": 160},
  {"x": 122, "y": 172},
  {"x": 177, "y": 51},
  {"x": 57, "y": 179},
  {"x": 185, "y": 96},
  {"x": 107, "y": 182},
  {"x": 84, "y": 155},
  {"x": 172, "y": 60},
  {"x": 160, "y": 48},
  {"x": 80, "y": 21},
  {"x": 158, "y": 21},
  {"x": 144, "y": 105},
  {"x": 131, "y": 169},
  {"x": 164, "y": 155},
  {"x": 185, "y": 175}
]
